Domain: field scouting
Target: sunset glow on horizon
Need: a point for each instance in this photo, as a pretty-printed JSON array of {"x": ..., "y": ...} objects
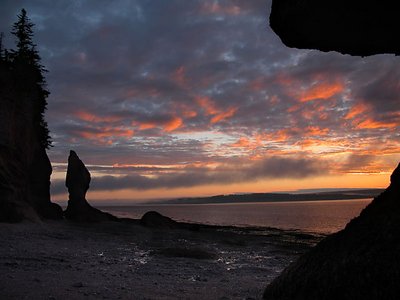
[{"x": 166, "y": 99}]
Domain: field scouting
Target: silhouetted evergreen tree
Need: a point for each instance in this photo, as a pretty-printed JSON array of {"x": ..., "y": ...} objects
[
  {"x": 4, "y": 57},
  {"x": 26, "y": 65},
  {"x": 1, "y": 47}
]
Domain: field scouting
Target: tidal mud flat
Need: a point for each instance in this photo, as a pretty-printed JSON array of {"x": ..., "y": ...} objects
[{"x": 125, "y": 260}]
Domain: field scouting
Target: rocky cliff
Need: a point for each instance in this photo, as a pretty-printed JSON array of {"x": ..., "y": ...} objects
[
  {"x": 25, "y": 168},
  {"x": 349, "y": 27}
]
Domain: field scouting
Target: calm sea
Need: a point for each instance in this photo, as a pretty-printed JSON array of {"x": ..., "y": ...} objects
[{"x": 310, "y": 216}]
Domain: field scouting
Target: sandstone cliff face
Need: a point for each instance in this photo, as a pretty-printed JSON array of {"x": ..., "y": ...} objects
[
  {"x": 24, "y": 166},
  {"x": 77, "y": 182}
]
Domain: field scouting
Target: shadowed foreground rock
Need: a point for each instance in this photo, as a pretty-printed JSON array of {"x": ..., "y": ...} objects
[
  {"x": 349, "y": 27},
  {"x": 360, "y": 262},
  {"x": 77, "y": 182}
]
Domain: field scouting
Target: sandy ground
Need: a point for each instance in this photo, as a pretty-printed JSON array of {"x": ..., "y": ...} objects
[{"x": 64, "y": 260}]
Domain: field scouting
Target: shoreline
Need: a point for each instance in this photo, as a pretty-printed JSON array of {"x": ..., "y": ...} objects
[{"x": 125, "y": 260}]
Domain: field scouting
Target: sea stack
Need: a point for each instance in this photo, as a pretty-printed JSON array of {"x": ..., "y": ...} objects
[{"x": 77, "y": 182}]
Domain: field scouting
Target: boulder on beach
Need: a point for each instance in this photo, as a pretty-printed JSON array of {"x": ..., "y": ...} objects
[
  {"x": 351, "y": 27},
  {"x": 156, "y": 220},
  {"x": 78, "y": 181},
  {"x": 359, "y": 262}
]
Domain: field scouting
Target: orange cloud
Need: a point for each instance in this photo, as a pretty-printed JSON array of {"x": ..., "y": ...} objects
[
  {"x": 189, "y": 113},
  {"x": 317, "y": 110},
  {"x": 293, "y": 108},
  {"x": 173, "y": 124},
  {"x": 248, "y": 144},
  {"x": 356, "y": 110},
  {"x": 281, "y": 135},
  {"x": 274, "y": 100},
  {"x": 147, "y": 125},
  {"x": 242, "y": 142},
  {"x": 168, "y": 125},
  {"x": 207, "y": 105},
  {"x": 308, "y": 143},
  {"x": 92, "y": 118},
  {"x": 315, "y": 130},
  {"x": 224, "y": 115},
  {"x": 372, "y": 124},
  {"x": 322, "y": 87},
  {"x": 185, "y": 110},
  {"x": 210, "y": 109},
  {"x": 321, "y": 91},
  {"x": 284, "y": 135},
  {"x": 105, "y": 135},
  {"x": 311, "y": 114},
  {"x": 179, "y": 76},
  {"x": 216, "y": 8}
]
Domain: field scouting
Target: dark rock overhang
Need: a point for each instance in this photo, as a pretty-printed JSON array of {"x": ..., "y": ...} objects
[{"x": 352, "y": 27}]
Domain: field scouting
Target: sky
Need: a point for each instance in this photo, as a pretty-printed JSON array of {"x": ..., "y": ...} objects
[{"x": 183, "y": 98}]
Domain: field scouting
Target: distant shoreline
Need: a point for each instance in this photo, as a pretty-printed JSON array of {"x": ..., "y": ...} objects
[
  {"x": 348, "y": 194},
  {"x": 156, "y": 204},
  {"x": 277, "y": 197},
  {"x": 254, "y": 198}
]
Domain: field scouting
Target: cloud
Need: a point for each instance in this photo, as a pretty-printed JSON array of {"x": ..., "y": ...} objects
[
  {"x": 223, "y": 115},
  {"x": 168, "y": 123},
  {"x": 92, "y": 118},
  {"x": 188, "y": 82},
  {"x": 220, "y": 9},
  {"x": 321, "y": 91},
  {"x": 372, "y": 124},
  {"x": 273, "y": 167},
  {"x": 356, "y": 110}
]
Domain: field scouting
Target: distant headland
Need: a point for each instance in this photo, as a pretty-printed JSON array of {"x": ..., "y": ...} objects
[{"x": 278, "y": 197}]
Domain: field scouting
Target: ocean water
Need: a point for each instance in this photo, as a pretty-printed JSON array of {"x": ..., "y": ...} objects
[{"x": 308, "y": 216}]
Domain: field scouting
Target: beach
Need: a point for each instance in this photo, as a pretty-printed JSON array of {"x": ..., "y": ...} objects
[{"x": 124, "y": 260}]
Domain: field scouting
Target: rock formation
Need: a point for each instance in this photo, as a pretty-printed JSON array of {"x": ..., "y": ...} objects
[
  {"x": 359, "y": 262},
  {"x": 24, "y": 166},
  {"x": 77, "y": 182},
  {"x": 156, "y": 220},
  {"x": 349, "y": 27}
]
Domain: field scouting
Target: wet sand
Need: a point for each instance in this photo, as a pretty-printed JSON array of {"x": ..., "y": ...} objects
[{"x": 124, "y": 260}]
